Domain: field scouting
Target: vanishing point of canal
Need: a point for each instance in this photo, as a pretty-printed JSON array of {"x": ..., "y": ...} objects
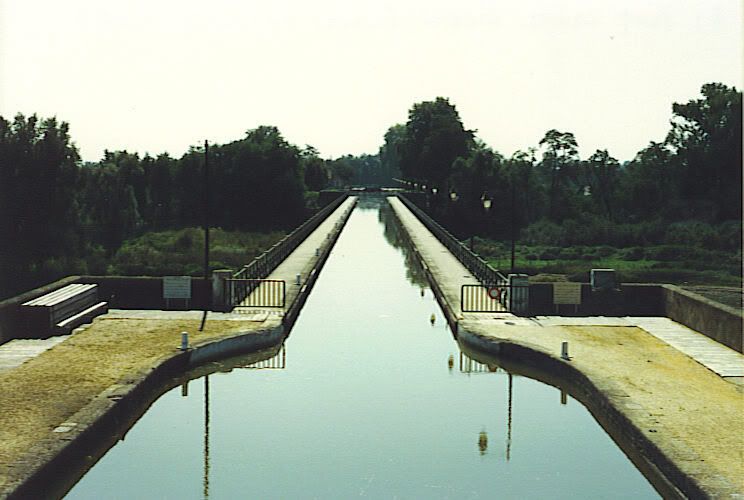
[{"x": 367, "y": 398}]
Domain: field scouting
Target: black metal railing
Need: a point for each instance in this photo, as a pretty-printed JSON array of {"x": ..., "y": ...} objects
[
  {"x": 256, "y": 293},
  {"x": 265, "y": 263},
  {"x": 478, "y": 267}
]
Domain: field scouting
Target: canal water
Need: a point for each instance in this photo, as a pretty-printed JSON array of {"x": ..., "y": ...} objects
[{"x": 367, "y": 398}]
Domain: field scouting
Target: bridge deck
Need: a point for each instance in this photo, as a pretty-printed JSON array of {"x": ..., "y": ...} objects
[
  {"x": 302, "y": 260},
  {"x": 450, "y": 274}
]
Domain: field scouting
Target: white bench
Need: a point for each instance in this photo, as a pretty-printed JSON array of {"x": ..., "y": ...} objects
[{"x": 60, "y": 311}]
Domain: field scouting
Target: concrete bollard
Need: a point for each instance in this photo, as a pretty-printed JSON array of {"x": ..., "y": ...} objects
[
  {"x": 564, "y": 351},
  {"x": 184, "y": 341}
]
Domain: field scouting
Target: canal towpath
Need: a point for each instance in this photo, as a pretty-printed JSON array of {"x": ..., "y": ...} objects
[
  {"x": 680, "y": 417},
  {"x": 51, "y": 398}
]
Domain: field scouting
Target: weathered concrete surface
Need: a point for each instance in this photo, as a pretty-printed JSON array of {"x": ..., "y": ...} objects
[
  {"x": 70, "y": 386},
  {"x": 62, "y": 402},
  {"x": 680, "y": 422},
  {"x": 720, "y": 322},
  {"x": 693, "y": 416}
]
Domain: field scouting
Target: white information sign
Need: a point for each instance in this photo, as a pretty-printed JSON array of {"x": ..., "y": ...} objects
[
  {"x": 566, "y": 293},
  {"x": 176, "y": 287}
]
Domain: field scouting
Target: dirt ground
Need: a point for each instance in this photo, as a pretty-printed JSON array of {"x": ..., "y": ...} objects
[
  {"x": 45, "y": 391},
  {"x": 694, "y": 416}
]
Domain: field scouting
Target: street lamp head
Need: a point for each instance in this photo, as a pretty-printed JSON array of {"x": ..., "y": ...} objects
[
  {"x": 434, "y": 190},
  {"x": 453, "y": 196},
  {"x": 486, "y": 201}
]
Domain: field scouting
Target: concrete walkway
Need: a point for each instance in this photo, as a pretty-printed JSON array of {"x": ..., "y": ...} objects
[
  {"x": 58, "y": 402},
  {"x": 302, "y": 260},
  {"x": 16, "y": 352},
  {"x": 718, "y": 358},
  {"x": 679, "y": 417}
]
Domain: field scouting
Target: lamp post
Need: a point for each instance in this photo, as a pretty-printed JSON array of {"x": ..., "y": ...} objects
[
  {"x": 208, "y": 303},
  {"x": 513, "y": 224},
  {"x": 487, "y": 202}
]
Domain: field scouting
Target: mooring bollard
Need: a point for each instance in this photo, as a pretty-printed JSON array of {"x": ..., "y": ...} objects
[
  {"x": 564, "y": 351},
  {"x": 184, "y": 341}
]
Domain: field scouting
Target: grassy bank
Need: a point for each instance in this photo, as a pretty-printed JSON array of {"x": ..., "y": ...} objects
[
  {"x": 676, "y": 264},
  {"x": 181, "y": 252}
]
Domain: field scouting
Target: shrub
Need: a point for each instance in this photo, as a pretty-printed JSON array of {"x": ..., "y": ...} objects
[{"x": 633, "y": 253}]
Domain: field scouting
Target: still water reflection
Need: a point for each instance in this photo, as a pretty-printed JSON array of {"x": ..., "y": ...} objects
[{"x": 369, "y": 399}]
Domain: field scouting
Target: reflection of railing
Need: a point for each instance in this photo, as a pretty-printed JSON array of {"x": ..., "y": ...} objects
[
  {"x": 256, "y": 293},
  {"x": 477, "y": 266},
  {"x": 485, "y": 298},
  {"x": 469, "y": 365},
  {"x": 278, "y": 362},
  {"x": 262, "y": 265}
]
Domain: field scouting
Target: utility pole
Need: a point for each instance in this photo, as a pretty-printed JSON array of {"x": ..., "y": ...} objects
[
  {"x": 208, "y": 302},
  {"x": 513, "y": 223}
]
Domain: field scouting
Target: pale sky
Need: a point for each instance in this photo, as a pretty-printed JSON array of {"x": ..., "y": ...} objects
[{"x": 161, "y": 75}]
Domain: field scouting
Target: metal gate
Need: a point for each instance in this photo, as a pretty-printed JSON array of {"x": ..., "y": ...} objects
[
  {"x": 256, "y": 293},
  {"x": 485, "y": 298}
]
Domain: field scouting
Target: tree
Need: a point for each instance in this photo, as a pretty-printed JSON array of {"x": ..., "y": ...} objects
[
  {"x": 38, "y": 181},
  {"x": 706, "y": 136},
  {"x": 434, "y": 138},
  {"x": 389, "y": 153},
  {"x": 560, "y": 158},
  {"x": 602, "y": 171},
  {"x": 314, "y": 169}
]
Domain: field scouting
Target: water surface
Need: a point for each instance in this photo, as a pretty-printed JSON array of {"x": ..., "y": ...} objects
[{"x": 367, "y": 398}]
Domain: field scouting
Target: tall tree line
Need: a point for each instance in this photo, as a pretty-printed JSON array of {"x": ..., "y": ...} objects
[
  {"x": 693, "y": 175},
  {"x": 60, "y": 216}
]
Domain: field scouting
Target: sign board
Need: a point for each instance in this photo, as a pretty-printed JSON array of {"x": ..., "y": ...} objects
[
  {"x": 176, "y": 287},
  {"x": 494, "y": 293},
  {"x": 566, "y": 293}
]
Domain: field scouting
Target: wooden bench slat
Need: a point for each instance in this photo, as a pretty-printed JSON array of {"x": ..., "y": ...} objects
[
  {"x": 59, "y": 295},
  {"x": 93, "y": 310}
]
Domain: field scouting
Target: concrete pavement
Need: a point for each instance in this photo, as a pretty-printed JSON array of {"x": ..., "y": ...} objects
[
  {"x": 68, "y": 400},
  {"x": 679, "y": 421}
]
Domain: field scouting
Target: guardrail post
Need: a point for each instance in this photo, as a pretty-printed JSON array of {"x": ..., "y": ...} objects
[
  {"x": 220, "y": 297},
  {"x": 519, "y": 296}
]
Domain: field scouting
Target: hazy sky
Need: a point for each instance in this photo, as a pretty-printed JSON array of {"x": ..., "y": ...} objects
[{"x": 160, "y": 75}]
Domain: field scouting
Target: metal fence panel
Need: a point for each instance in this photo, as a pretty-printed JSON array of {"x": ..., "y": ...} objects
[
  {"x": 485, "y": 298},
  {"x": 256, "y": 293}
]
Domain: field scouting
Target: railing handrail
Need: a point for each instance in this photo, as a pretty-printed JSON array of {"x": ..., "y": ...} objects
[
  {"x": 480, "y": 269},
  {"x": 265, "y": 263}
]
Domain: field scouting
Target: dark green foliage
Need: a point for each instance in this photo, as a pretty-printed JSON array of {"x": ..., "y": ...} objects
[
  {"x": 434, "y": 137},
  {"x": 685, "y": 190},
  {"x": 59, "y": 217},
  {"x": 39, "y": 174},
  {"x": 179, "y": 252}
]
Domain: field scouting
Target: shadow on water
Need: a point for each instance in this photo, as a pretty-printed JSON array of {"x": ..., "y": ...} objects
[{"x": 64, "y": 479}]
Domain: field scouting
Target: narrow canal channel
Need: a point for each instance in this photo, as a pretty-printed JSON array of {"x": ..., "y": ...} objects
[{"x": 367, "y": 398}]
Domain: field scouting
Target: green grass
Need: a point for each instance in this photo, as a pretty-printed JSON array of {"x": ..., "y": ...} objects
[
  {"x": 675, "y": 264},
  {"x": 181, "y": 252}
]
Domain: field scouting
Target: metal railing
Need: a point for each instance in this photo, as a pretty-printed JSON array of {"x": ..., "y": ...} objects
[
  {"x": 256, "y": 293},
  {"x": 479, "y": 268},
  {"x": 485, "y": 298},
  {"x": 265, "y": 263}
]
